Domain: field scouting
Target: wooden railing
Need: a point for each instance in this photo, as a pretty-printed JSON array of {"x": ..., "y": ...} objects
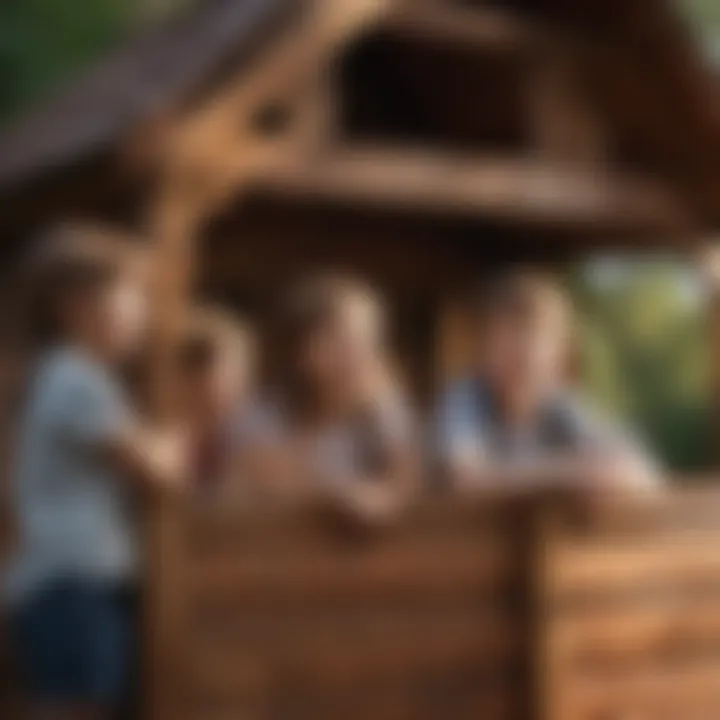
[
  {"x": 500, "y": 609},
  {"x": 630, "y": 610},
  {"x": 301, "y": 615}
]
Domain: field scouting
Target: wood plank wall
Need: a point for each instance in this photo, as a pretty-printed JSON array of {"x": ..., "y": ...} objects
[
  {"x": 297, "y": 616},
  {"x": 492, "y": 610},
  {"x": 631, "y": 611}
]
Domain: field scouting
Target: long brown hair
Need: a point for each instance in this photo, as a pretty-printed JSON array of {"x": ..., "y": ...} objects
[{"x": 309, "y": 306}]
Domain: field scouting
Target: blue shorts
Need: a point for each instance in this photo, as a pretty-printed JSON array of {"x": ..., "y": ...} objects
[{"x": 73, "y": 641}]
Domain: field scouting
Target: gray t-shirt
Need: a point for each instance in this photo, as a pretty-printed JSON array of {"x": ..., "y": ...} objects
[
  {"x": 71, "y": 507},
  {"x": 342, "y": 451},
  {"x": 469, "y": 429}
]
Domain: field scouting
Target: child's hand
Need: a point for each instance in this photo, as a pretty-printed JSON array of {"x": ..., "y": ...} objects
[
  {"x": 170, "y": 458},
  {"x": 374, "y": 505}
]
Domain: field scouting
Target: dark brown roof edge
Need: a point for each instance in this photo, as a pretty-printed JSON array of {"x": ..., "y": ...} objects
[{"x": 152, "y": 73}]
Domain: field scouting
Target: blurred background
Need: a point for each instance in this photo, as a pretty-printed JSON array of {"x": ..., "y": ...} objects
[
  {"x": 44, "y": 43},
  {"x": 645, "y": 350},
  {"x": 488, "y": 145}
]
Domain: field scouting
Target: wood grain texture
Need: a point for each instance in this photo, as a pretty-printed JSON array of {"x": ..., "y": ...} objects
[
  {"x": 632, "y": 627},
  {"x": 287, "y": 614}
]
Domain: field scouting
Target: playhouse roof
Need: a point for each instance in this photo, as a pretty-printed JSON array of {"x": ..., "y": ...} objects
[
  {"x": 642, "y": 67},
  {"x": 148, "y": 75}
]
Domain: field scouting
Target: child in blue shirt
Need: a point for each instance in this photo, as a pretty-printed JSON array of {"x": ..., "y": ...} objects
[
  {"x": 514, "y": 423},
  {"x": 81, "y": 448}
]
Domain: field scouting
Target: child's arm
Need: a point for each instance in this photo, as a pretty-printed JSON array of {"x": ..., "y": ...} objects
[
  {"x": 601, "y": 457},
  {"x": 380, "y": 495},
  {"x": 90, "y": 412},
  {"x": 388, "y": 478},
  {"x": 154, "y": 457},
  {"x": 572, "y": 469}
]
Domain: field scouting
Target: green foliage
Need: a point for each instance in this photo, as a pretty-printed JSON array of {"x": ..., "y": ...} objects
[
  {"x": 646, "y": 355},
  {"x": 703, "y": 13},
  {"x": 704, "y": 18},
  {"x": 43, "y": 42}
]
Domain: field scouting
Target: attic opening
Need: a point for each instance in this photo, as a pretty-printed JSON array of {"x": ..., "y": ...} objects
[{"x": 405, "y": 91}]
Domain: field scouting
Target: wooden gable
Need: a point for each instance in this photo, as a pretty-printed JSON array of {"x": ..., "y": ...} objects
[{"x": 584, "y": 118}]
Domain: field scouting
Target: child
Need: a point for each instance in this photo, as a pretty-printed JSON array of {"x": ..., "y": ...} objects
[
  {"x": 337, "y": 425},
  {"x": 515, "y": 423},
  {"x": 80, "y": 447},
  {"x": 216, "y": 369}
]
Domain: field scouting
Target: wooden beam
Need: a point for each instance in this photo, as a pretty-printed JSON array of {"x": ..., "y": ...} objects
[
  {"x": 269, "y": 258},
  {"x": 295, "y": 62},
  {"x": 516, "y": 190},
  {"x": 293, "y": 67},
  {"x": 172, "y": 227},
  {"x": 484, "y": 28}
]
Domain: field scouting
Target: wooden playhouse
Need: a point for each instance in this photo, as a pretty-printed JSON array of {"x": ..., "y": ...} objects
[{"x": 418, "y": 143}]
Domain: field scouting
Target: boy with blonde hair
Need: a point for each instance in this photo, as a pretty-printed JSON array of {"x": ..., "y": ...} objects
[{"x": 515, "y": 423}]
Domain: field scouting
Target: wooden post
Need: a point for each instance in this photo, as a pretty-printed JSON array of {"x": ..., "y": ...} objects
[
  {"x": 173, "y": 225},
  {"x": 709, "y": 262},
  {"x": 453, "y": 346},
  {"x": 543, "y": 651}
]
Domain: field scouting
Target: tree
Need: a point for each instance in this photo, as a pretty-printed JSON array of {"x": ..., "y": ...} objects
[{"x": 646, "y": 354}]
